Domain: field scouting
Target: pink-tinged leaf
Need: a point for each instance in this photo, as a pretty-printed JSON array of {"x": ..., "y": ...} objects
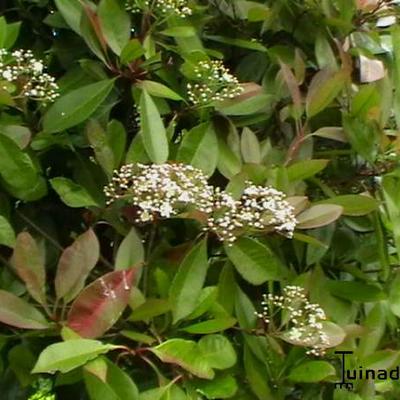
[
  {"x": 100, "y": 304},
  {"x": 28, "y": 262},
  {"x": 75, "y": 264},
  {"x": 17, "y": 312}
]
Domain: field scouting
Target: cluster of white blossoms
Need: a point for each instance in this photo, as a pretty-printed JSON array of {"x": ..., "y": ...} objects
[
  {"x": 162, "y": 190},
  {"x": 215, "y": 83},
  {"x": 179, "y": 8},
  {"x": 258, "y": 209},
  {"x": 26, "y": 72},
  {"x": 301, "y": 320}
]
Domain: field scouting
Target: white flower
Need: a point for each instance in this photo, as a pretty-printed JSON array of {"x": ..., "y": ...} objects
[
  {"x": 37, "y": 67},
  {"x": 216, "y": 83},
  {"x": 21, "y": 67},
  {"x": 7, "y": 75},
  {"x": 161, "y": 190},
  {"x": 258, "y": 209},
  {"x": 302, "y": 324}
]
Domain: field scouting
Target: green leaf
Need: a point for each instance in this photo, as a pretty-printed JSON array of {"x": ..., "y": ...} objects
[
  {"x": 153, "y": 131},
  {"x": 76, "y": 106},
  {"x": 117, "y": 384},
  {"x": 157, "y": 89},
  {"x": 131, "y": 52},
  {"x": 312, "y": 371},
  {"x": 324, "y": 88},
  {"x": 71, "y": 10},
  {"x": 250, "y": 147},
  {"x": 12, "y": 34},
  {"x": 246, "y": 44},
  {"x": 199, "y": 148},
  {"x": 99, "y": 142},
  {"x": 212, "y": 351},
  {"x": 186, "y": 354},
  {"x": 363, "y": 136},
  {"x": 130, "y": 252},
  {"x": 149, "y": 309},
  {"x": 138, "y": 337},
  {"x": 217, "y": 351},
  {"x": 75, "y": 264},
  {"x": 318, "y": 215},
  {"x": 30, "y": 266},
  {"x": 353, "y": 204},
  {"x": 116, "y": 138},
  {"x": 19, "y": 172},
  {"x": 17, "y": 312},
  {"x": 305, "y": 169},
  {"x": 356, "y": 291},
  {"x": 211, "y": 326},
  {"x": 179, "y": 31},
  {"x": 188, "y": 282},
  {"x": 99, "y": 305},
  {"x": 72, "y": 194},
  {"x": 115, "y": 23},
  {"x": 7, "y": 234},
  {"x": 221, "y": 387},
  {"x": 254, "y": 261},
  {"x": 66, "y": 356},
  {"x": 255, "y": 374},
  {"x": 394, "y": 295}
]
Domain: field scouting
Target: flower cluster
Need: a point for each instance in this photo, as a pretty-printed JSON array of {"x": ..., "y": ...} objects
[
  {"x": 161, "y": 190},
  {"x": 26, "y": 72},
  {"x": 301, "y": 321},
  {"x": 166, "y": 190},
  {"x": 216, "y": 83},
  {"x": 179, "y": 8},
  {"x": 258, "y": 209}
]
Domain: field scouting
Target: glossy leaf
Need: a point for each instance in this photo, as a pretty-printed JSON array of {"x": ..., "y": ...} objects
[
  {"x": 30, "y": 266},
  {"x": 76, "y": 106},
  {"x": 19, "y": 172},
  {"x": 312, "y": 371},
  {"x": 188, "y": 282},
  {"x": 353, "y": 204},
  {"x": 18, "y": 313},
  {"x": 153, "y": 131},
  {"x": 72, "y": 194},
  {"x": 305, "y": 169},
  {"x": 115, "y": 23},
  {"x": 100, "y": 304},
  {"x": 324, "y": 88},
  {"x": 318, "y": 215},
  {"x": 199, "y": 148},
  {"x": 130, "y": 252},
  {"x": 7, "y": 234},
  {"x": 66, "y": 356},
  {"x": 250, "y": 147},
  {"x": 157, "y": 89},
  {"x": 75, "y": 264},
  {"x": 254, "y": 261}
]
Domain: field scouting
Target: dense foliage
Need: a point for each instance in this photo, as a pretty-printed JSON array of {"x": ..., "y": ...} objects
[{"x": 199, "y": 199}]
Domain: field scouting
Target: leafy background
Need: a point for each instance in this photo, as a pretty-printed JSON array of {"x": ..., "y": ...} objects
[{"x": 318, "y": 120}]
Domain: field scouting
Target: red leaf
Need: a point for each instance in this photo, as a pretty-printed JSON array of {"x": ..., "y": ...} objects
[
  {"x": 29, "y": 265},
  {"x": 100, "y": 304},
  {"x": 75, "y": 264}
]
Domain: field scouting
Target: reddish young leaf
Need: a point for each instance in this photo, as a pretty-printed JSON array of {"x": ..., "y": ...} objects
[
  {"x": 75, "y": 264},
  {"x": 100, "y": 304},
  {"x": 29, "y": 264},
  {"x": 17, "y": 312}
]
